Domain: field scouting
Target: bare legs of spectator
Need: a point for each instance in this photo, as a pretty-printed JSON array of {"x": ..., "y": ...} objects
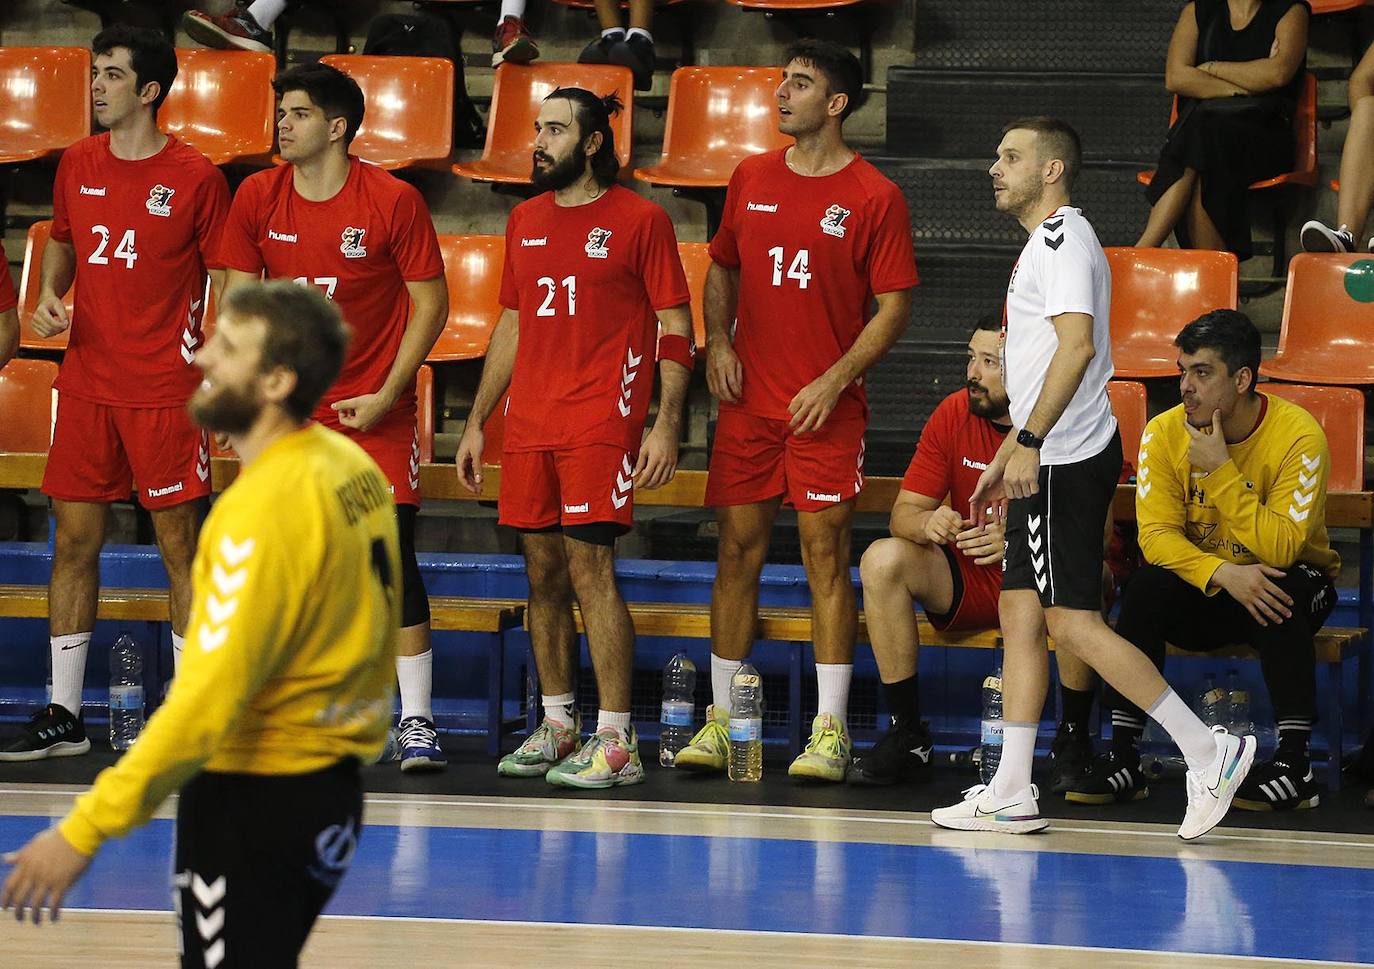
[
  {"x": 1181, "y": 201},
  {"x": 1357, "y": 171},
  {"x": 632, "y": 47}
]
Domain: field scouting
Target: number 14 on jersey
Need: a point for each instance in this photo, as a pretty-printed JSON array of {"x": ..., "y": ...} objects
[{"x": 800, "y": 269}]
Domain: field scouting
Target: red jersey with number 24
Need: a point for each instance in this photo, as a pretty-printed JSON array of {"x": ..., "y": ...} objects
[
  {"x": 587, "y": 281},
  {"x": 811, "y": 253},
  {"x": 360, "y": 247},
  {"x": 144, "y": 232}
]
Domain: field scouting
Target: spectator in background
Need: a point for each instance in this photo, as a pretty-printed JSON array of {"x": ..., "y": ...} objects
[
  {"x": 1357, "y": 170},
  {"x": 513, "y": 41},
  {"x": 248, "y": 27},
  {"x": 1236, "y": 67},
  {"x": 632, "y": 47}
]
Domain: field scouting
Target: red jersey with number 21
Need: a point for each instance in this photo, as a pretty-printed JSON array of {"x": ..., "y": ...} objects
[
  {"x": 587, "y": 281},
  {"x": 811, "y": 252},
  {"x": 360, "y": 247}
]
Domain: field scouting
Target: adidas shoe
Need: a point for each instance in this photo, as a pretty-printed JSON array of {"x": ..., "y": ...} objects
[
  {"x": 51, "y": 732},
  {"x": 1109, "y": 780},
  {"x": 1211, "y": 791},
  {"x": 709, "y": 750},
  {"x": 606, "y": 760},
  {"x": 1071, "y": 755},
  {"x": 981, "y": 811},
  {"x": 1278, "y": 785},
  {"x": 546, "y": 746},
  {"x": 419, "y": 743},
  {"x": 231, "y": 30},
  {"x": 1319, "y": 237},
  {"x": 828, "y": 753},
  {"x": 901, "y": 754}
]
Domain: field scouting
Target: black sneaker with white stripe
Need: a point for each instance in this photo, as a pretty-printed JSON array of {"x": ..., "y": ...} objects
[
  {"x": 1109, "y": 780},
  {"x": 901, "y": 754},
  {"x": 51, "y": 732},
  {"x": 1278, "y": 785}
]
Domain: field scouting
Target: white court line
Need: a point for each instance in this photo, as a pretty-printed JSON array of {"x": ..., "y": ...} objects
[{"x": 768, "y": 933}]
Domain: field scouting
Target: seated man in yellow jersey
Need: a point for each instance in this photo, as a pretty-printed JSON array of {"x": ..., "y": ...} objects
[
  {"x": 1231, "y": 507},
  {"x": 286, "y": 682}
]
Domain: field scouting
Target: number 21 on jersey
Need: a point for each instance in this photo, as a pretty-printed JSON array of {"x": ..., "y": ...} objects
[
  {"x": 800, "y": 269},
  {"x": 551, "y": 292}
]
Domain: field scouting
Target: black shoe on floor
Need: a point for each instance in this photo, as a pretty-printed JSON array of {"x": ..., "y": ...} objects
[
  {"x": 51, "y": 732},
  {"x": 1109, "y": 780},
  {"x": 901, "y": 754},
  {"x": 598, "y": 51},
  {"x": 637, "y": 53},
  {"x": 1281, "y": 784},
  {"x": 1070, "y": 755}
]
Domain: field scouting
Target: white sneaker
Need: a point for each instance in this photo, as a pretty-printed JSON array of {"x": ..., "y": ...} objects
[
  {"x": 1317, "y": 236},
  {"x": 980, "y": 810},
  {"x": 1210, "y": 791}
]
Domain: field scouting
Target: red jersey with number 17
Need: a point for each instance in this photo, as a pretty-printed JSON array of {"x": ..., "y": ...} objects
[
  {"x": 360, "y": 247},
  {"x": 587, "y": 281},
  {"x": 144, "y": 232},
  {"x": 811, "y": 253}
]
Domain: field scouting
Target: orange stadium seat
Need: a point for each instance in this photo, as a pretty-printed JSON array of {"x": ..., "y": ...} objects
[
  {"x": 1155, "y": 293},
  {"x": 28, "y": 292},
  {"x": 696, "y": 260},
  {"x": 26, "y": 400},
  {"x": 46, "y": 92},
  {"x": 1328, "y": 305},
  {"x": 1340, "y": 412},
  {"x": 409, "y": 117},
  {"x": 1337, "y": 6},
  {"x": 515, "y": 99},
  {"x": 222, "y": 105},
  {"x": 424, "y": 412},
  {"x": 472, "y": 268},
  {"x": 1128, "y": 404},
  {"x": 716, "y": 117}
]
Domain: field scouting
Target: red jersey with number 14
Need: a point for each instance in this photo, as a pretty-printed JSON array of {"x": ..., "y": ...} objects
[
  {"x": 811, "y": 252},
  {"x": 144, "y": 232},
  {"x": 587, "y": 281},
  {"x": 360, "y": 247}
]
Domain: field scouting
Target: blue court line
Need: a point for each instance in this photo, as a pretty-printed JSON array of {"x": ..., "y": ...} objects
[{"x": 692, "y": 881}]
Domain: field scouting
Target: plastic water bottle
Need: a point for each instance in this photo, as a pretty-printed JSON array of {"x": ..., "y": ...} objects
[
  {"x": 746, "y": 725},
  {"x": 1215, "y": 704},
  {"x": 126, "y": 693},
  {"x": 992, "y": 727},
  {"x": 1239, "y": 699},
  {"x": 679, "y": 704}
]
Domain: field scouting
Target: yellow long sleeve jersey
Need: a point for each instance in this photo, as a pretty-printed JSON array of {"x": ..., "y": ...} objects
[
  {"x": 1266, "y": 504},
  {"x": 289, "y": 658}
]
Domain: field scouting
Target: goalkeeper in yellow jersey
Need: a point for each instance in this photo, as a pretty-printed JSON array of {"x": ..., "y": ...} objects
[
  {"x": 286, "y": 682},
  {"x": 1231, "y": 504}
]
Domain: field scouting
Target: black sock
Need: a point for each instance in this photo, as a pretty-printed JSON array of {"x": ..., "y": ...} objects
[
  {"x": 1127, "y": 729},
  {"x": 1078, "y": 707},
  {"x": 1295, "y": 733},
  {"x": 904, "y": 702}
]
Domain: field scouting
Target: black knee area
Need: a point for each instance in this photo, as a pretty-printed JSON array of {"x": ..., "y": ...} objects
[{"x": 414, "y": 599}]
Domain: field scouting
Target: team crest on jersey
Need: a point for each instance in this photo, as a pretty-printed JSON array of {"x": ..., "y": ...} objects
[
  {"x": 159, "y": 199},
  {"x": 596, "y": 243},
  {"x": 352, "y": 246},
  {"x": 832, "y": 223}
]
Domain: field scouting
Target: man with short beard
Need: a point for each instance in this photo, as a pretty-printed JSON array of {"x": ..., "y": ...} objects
[
  {"x": 591, "y": 270},
  {"x": 286, "y": 682}
]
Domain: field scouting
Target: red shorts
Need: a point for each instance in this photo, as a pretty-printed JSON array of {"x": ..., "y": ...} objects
[
  {"x": 755, "y": 458},
  {"x": 976, "y": 591},
  {"x": 99, "y": 451},
  {"x": 394, "y": 443},
  {"x": 579, "y": 486}
]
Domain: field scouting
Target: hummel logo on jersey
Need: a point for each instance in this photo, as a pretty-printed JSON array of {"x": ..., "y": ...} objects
[
  {"x": 581, "y": 509},
  {"x": 821, "y": 496},
  {"x": 976, "y": 465},
  {"x": 159, "y": 197},
  {"x": 763, "y": 206},
  {"x": 169, "y": 490},
  {"x": 276, "y": 236},
  {"x": 832, "y": 223},
  {"x": 87, "y": 190},
  {"x": 1053, "y": 226},
  {"x": 596, "y": 243},
  {"x": 542, "y": 241},
  {"x": 352, "y": 246}
]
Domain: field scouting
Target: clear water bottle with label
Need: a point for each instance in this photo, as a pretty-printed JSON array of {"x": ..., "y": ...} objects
[
  {"x": 746, "y": 725},
  {"x": 1214, "y": 704},
  {"x": 1238, "y": 696},
  {"x": 126, "y": 693},
  {"x": 991, "y": 754},
  {"x": 679, "y": 704}
]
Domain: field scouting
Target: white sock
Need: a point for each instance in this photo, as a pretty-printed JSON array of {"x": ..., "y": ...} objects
[
  {"x": 266, "y": 12},
  {"x": 641, "y": 32},
  {"x": 511, "y": 8},
  {"x": 1018, "y": 753},
  {"x": 416, "y": 676},
  {"x": 559, "y": 708},
  {"x": 722, "y": 670},
  {"x": 613, "y": 33},
  {"x": 178, "y": 643},
  {"x": 68, "y": 669},
  {"x": 621, "y": 721},
  {"x": 832, "y": 687},
  {"x": 1194, "y": 740}
]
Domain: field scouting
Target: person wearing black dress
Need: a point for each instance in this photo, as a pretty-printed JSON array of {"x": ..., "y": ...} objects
[{"x": 1237, "y": 68}]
